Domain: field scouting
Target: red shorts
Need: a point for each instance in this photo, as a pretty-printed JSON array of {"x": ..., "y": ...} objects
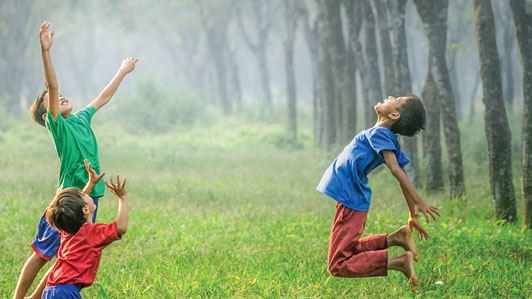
[{"x": 350, "y": 256}]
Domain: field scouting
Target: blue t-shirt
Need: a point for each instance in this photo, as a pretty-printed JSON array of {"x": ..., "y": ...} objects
[{"x": 346, "y": 179}]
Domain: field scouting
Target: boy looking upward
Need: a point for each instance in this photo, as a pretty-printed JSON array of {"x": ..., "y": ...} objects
[
  {"x": 346, "y": 181},
  {"x": 82, "y": 241},
  {"x": 74, "y": 141}
]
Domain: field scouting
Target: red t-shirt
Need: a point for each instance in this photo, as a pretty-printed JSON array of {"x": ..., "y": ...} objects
[{"x": 79, "y": 254}]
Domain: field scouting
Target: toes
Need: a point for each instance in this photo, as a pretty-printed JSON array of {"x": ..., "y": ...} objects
[{"x": 413, "y": 283}]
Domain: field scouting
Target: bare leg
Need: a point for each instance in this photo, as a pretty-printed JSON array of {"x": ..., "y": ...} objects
[
  {"x": 402, "y": 237},
  {"x": 29, "y": 271},
  {"x": 405, "y": 264}
]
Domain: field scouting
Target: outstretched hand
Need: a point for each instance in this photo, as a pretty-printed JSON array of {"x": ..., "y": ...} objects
[
  {"x": 426, "y": 209},
  {"x": 93, "y": 177},
  {"x": 46, "y": 37},
  {"x": 413, "y": 222},
  {"x": 118, "y": 189},
  {"x": 128, "y": 64}
]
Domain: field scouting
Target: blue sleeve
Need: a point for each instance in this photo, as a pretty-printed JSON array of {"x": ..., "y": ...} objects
[
  {"x": 86, "y": 113},
  {"x": 402, "y": 158},
  {"x": 380, "y": 140}
]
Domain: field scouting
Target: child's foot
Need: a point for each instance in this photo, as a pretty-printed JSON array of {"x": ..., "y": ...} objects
[
  {"x": 403, "y": 237},
  {"x": 405, "y": 264}
]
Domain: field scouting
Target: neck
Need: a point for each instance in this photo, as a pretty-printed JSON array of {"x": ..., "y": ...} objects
[
  {"x": 384, "y": 122},
  {"x": 88, "y": 217}
]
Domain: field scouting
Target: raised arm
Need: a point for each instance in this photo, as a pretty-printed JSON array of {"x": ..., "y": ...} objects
[
  {"x": 413, "y": 200},
  {"x": 119, "y": 189},
  {"x": 93, "y": 178},
  {"x": 46, "y": 38},
  {"x": 128, "y": 65}
]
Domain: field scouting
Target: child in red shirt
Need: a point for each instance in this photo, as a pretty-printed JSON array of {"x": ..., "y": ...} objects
[{"x": 82, "y": 241}]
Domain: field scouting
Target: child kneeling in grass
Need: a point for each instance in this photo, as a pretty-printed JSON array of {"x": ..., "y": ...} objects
[
  {"x": 346, "y": 181},
  {"x": 82, "y": 241}
]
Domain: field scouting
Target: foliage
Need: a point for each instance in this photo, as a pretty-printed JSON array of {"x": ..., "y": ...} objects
[{"x": 143, "y": 109}]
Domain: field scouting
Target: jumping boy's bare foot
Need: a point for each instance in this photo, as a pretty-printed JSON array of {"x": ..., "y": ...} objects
[
  {"x": 405, "y": 264},
  {"x": 403, "y": 237}
]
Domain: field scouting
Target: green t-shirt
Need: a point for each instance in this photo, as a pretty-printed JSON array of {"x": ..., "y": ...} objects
[{"x": 74, "y": 142}]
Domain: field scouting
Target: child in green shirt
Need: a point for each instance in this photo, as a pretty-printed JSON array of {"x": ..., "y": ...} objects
[{"x": 74, "y": 142}]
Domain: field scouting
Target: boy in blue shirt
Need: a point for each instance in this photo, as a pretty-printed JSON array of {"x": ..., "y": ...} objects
[
  {"x": 346, "y": 181},
  {"x": 74, "y": 141}
]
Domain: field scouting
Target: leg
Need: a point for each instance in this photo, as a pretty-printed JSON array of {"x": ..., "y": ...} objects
[
  {"x": 351, "y": 257},
  {"x": 29, "y": 271},
  {"x": 405, "y": 264},
  {"x": 403, "y": 237}
]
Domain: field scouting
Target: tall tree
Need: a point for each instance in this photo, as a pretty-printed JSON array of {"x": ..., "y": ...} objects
[
  {"x": 379, "y": 11},
  {"x": 372, "y": 65},
  {"x": 337, "y": 52},
  {"x": 326, "y": 81},
  {"x": 498, "y": 134},
  {"x": 262, "y": 21},
  {"x": 215, "y": 19},
  {"x": 432, "y": 160},
  {"x": 291, "y": 20},
  {"x": 434, "y": 17},
  {"x": 503, "y": 15},
  {"x": 522, "y": 16},
  {"x": 15, "y": 16},
  {"x": 310, "y": 30},
  {"x": 402, "y": 84},
  {"x": 353, "y": 63}
]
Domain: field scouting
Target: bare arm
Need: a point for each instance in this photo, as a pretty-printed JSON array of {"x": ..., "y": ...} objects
[
  {"x": 413, "y": 200},
  {"x": 119, "y": 189},
  {"x": 40, "y": 288},
  {"x": 50, "y": 79},
  {"x": 107, "y": 93},
  {"x": 93, "y": 178}
]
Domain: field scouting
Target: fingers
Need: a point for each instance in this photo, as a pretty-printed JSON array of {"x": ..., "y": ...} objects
[
  {"x": 435, "y": 210},
  {"x": 87, "y": 165},
  {"x": 431, "y": 213},
  {"x": 426, "y": 217},
  {"x": 124, "y": 183}
]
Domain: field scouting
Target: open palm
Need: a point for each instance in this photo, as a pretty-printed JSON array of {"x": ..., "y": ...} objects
[{"x": 46, "y": 36}]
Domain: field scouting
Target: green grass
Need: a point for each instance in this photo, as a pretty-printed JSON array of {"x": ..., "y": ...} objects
[{"x": 232, "y": 211}]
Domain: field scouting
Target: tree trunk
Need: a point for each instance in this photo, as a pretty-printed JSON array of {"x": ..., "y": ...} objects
[
  {"x": 262, "y": 19},
  {"x": 215, "y": 25},
  {"x": 522, "y": 16},
  {"x": 502, "y": 13},
  {"x": 339, "y": 67},
  {"x": 326, "y": 77},
  {"x": 311, "y": 33},
  {"x": 234, "y": 79},
  {"x": 291, "y": 25},
  {"x": 379, "y": 11},
  {"x": 403, "y": 83},
  {"x": 432, "y": 160},
  {"x": 373, "y": 79},
  {"x": 498, "y": 134},
  {"x": 356, "y": 63},
  {"x": 13, "y": 48},
  {"x": 434, "y": 17}
]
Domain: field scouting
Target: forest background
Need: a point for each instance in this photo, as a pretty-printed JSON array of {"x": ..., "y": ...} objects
[{"x": 234, "y": 111}]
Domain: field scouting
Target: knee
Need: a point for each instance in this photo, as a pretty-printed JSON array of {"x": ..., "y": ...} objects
[{"x": 333, "y": 269}]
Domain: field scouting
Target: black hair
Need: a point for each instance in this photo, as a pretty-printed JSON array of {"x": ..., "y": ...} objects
[
  {"x": 37, "y": 109},
  {"x": 65, "y": 213},
  {"x": 412, "y": 118}
]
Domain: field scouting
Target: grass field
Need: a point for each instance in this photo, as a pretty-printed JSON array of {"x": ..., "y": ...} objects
[{"x": 233, "y": 212}]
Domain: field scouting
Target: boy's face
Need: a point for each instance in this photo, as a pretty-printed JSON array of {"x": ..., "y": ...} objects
[
  {"x": 391, "y": 107},
  {"x": 90, "y": 207},
  {"x": 65, "y": 107}
]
